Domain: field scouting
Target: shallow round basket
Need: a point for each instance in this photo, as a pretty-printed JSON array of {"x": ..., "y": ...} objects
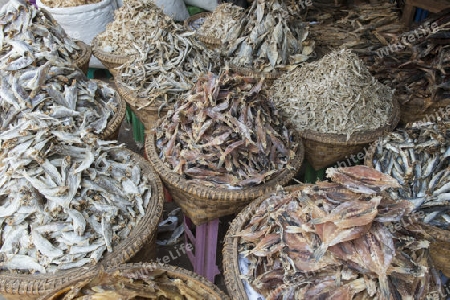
[
  {"x": 195, "y": 282},
  {"x": 83, "y": 60},
  {"x": 141, "y": 239},
  {"x": 110, "y": 61},
  {"x": 324, "y": 149},
  {"x": 230, "y": 253},
  {"x": 112, "y": 129},
  {"x": 421, "y": 111},
  {"x": 202, "y": 203},
  {"x": 148, "y": 115}
]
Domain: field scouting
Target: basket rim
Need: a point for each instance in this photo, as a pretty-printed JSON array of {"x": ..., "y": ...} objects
[
  {"x": 39, "y": 284},
  {"x": 249, "y": 72},
  {"x": 108, "y": 57},
  {"x": 233, "y": 195},
  {"x": 357, "y": 137},
  {"x": 86, "y": 52},
  {"x": 174, "y": 271},
  {"x": 230, "y": 263},
  {"x": 119, "y": 114}
]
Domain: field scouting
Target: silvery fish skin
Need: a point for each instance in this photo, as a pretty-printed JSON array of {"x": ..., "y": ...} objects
[{"x": 417, "y": 157}]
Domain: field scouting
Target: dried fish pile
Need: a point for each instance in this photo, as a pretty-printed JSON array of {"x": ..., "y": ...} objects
[
  {"x": 151, "y": 283},
  {"x": 65, "y": 198},
  {"x": 336, "y": 94},
  {"x": 68, "y": 3},
  {"x": 269, "y": 37},
  {"x": 226, "y": 133},
  {"x": 29, "y": 36},
  {"x": 222, "y": 22},
  {"x": 37, "y": 75},
  {"x": 418, "y": 158},
  {"x": 417, "y": 63},
  {"x": 134, "y": 24},
  {"x": 331, "y": 241},
  {"x": 361, "y": 28}
]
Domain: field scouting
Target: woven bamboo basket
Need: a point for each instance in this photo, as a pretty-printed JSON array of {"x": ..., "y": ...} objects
[
  {"x": 201, "y": 203},
  {"x": 112, "y": 129},
  {"x": 195, "y": 282},
  {"x": 410, "y": 113},
  {"x": 83, "y": 61},
  {"x": 230, "y": 253},
  {"x": 148, "y": 115},
  {"x": 141, "y": 239},
  {"x": 269, "y": 77},
  {"x": 323, "y": 149},
  {"x": 193, "y": 18},
  {"x": 110, "y": 61}
]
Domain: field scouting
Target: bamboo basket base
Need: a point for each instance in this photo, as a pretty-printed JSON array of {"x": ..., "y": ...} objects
[
  {"x": 321, "y": 155},
  {"x": 410, "y": 113}
]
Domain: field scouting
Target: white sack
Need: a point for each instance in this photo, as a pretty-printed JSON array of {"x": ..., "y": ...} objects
[
  {"x": 174, "y": 8},
  {"x": 84, "y": 22},
  {"x": 205, "y": 4}
]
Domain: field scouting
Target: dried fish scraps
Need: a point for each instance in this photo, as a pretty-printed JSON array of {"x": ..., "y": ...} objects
[
  {"x": 65, "y": 199},
  {"x": 269, "y": 37},
  {"x": 226, "y": 133},
  {"x": 134, "y": 24},
  {"x": 221, "y": 22},
  {"x": 324, "y": 241},
  {"x": 68, "y": 3},
  {"x": 30, "y": 36},
  {"x": 336, "y": 94},
  {"x": 147, "y": 282},
  {"x": 418, "y": 158}
]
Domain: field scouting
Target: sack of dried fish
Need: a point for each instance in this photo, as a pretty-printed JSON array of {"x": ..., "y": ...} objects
[
  {"x": 222, "y": 146},
  {"x": 139, "y": 281},
  {"x": 416, "y": 65},
  {"x": 30, "y": 36},
  {"x": 217, "y": 26},
  {"x": 269, "y": 37},
  {"x": 418, "y": 157},
  {"x": 336, "y": 105},
  {"x": 327, "y": 241}
]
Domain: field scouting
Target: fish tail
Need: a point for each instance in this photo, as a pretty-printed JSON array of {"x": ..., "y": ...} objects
[
  {"x": 384, "y": 288},
  {"x": 320, "y": 252}
]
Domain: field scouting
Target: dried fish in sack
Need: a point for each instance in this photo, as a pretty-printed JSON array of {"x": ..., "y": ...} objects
[
  {"x": 336, "y": 94},
  {"x": 223, "y": 21},
  {"x": 417, "y": 156},
  {"x": 226, "y": 133},
  {"x": 65, "y": 198},
  {"x": 270, "y": 36},
  {"x": 68, "y": 3},
  {"x": 31, "y": 36},
  {"x": 363, "y": 259}
]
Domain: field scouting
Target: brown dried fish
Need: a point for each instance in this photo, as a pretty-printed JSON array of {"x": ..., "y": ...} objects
[{"x": 226, "y": 132}]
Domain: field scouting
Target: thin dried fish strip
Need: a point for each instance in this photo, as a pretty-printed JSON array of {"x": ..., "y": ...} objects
[
  {"x": 225, "y": 133},
  {"x": 336, "y": 94}
]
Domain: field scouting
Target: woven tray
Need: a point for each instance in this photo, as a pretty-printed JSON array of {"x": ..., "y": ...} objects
[
  {"x": 323, "y": 149},
  {"x": 230, "y": 253},
  {"x": 198, "y": 282},
  {"x": 83, "y": 61},
  {"x": 24, "y": 287},
  {"x": 410, "y": 113},
  {"x": 112, "y": 129},
  {"x": 110, "y": 61},
  {"x": 148, "y": 115},
  {"x": 201, "y": 203}
]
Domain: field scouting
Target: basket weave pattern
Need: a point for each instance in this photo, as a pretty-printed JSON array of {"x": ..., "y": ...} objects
[
  {"x": 83, "y": 61},
  {"x": 110, "y": 61},
  {"x": 201, "y": 203}
]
